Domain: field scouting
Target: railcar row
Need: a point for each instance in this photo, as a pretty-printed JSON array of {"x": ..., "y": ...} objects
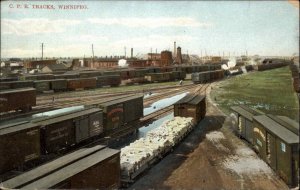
[
  {"x": 64, "y": 129},
  {"x": 274, "y": 138},
  {"x": 295, "y": 77},
  {"x": 268, "y": 66},
  {"x": 207, "y": 76},
  {"x": 64, "y": 84},
  {"x": 99, "y": 167}
]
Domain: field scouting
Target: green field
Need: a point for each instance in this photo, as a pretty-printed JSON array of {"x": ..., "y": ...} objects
[{"x": 269, "y": 91}]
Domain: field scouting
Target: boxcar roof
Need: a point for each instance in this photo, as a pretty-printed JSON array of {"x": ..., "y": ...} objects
[
  {"x": 59, "y": 118},
  {"x": 288, "y": 123},
  {"x": 47, "y": 168},
  {"x": 277, "y": 129},
  {"x": 117, "y": 101},
  {"x": 193, "y": 99},
  {"x": 245, "y": 112},
  {"x": 16, "y": 90},
  {"x": 14, "y": 127},
  {"x": 71, "y": 170}
]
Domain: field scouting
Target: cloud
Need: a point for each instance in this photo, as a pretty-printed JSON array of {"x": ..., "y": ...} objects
[
  {"x": 88, "y": 38},
  {"x": 29, "y": 26},
  {"x": 151, "y": 22},
  {"x": 159, "y": 41}
]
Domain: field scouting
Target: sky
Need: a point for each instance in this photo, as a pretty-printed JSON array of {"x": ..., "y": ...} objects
[{"x": 198, "y": 27}]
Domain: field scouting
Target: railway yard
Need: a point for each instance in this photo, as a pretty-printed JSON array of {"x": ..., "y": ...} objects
[{"x": 134, "y": 135}]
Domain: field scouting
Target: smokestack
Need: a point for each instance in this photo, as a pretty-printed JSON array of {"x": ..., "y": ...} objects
[
  {"x": 131, "y": 52},
  {"x": 174, "y": 49},
  {"x": 179, "y": 56}
]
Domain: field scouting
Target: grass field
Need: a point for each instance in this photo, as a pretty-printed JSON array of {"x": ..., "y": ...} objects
[{"x": 269, "y": 91}]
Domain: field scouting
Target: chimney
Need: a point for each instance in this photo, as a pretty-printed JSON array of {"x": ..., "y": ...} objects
[
  {"x": 179, "y": 56},
  {"x": 174, "y": 49},
  {"x": 131, "y": 52}
]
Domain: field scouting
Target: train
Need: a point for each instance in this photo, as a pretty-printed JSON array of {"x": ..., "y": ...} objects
[
  {"x": 100, "y": 167},
  {"x": 87, "y": 79},
  {"x": 207, "y": 76},
  {"x": 274, "y": 138},
  {"x": 61, "y": 130}
]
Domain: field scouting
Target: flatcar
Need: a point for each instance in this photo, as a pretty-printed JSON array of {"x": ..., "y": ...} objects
[{"x": 17, "y": 99}]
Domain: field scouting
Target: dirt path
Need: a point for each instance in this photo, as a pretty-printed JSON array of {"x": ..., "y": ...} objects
[{"x": 211, "y": 157}]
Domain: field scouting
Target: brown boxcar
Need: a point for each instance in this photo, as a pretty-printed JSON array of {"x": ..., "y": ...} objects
[
  {"x": 118, "y": 112},
  {"x": 10, "y": 99},
  {"x": 19, "y": 143},
  {"x": 82, "y": 83},
  {"x": 108, "y": 80},
  {"x": 127, "y": 74},
  {"x": 62, "y": 130},
  {"x": 277, "y": 146},
  {"x": 245, "y": 119},
  {"x": 43, "y": 170},
  {"x": 192, "y": 105},
  {"x": 100, "y": 170}
]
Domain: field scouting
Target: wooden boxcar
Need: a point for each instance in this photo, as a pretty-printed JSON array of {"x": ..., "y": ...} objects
[
  {"x": 201, "y": 77},
  {"x": 67, "y": 76},
  {"x": 15, "y": 99},
  {"x": 89, "y": 74},
  {"x": 117, "y": 113},
  {"x": 127, "y": 74},
  {"x": 192, "y": 105},
  {"x": 42, "y": 85},
  {"x": 113, "y": 72},
  {"x": 60, "y": 130},
  {"x": 16, "y": 84},
  {"x": 158, "y": 77},
  {"x": 140, "y": 72},
  {"x": 81, "y": 83},
  {"x": 98, "y": 170},
  {"x": 58, "y": 84},
  {"x": 19, "y": 143},
  {"x": 7, "y": 79},
  {"x": 244, "y": 121},
  {"x": 278, "y": 146},
  {"x": 108, "y": 80},
  {"x": 44, "y": 76}
]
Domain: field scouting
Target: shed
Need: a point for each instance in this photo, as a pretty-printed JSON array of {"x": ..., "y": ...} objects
[
  {"x": 54, "y": 68},
  {"x": 245, "y": 118},
  {"x": 192, "y": 105},
  {"x": 278, "y": 146}
]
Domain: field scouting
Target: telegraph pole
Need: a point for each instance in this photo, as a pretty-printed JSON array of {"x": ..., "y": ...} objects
[
  {"x": 93, "y": 50},
  {"x": 42, "y": 51}
]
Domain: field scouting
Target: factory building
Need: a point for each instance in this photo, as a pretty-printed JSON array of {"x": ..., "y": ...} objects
[{"x": 39, "y": 63}]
